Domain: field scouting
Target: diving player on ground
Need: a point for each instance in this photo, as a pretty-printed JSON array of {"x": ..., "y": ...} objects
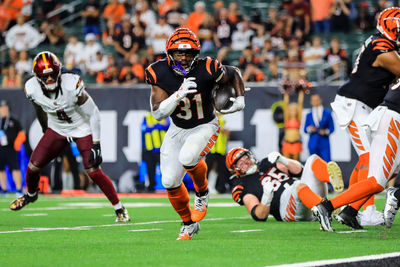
[{"x": 280, "y": 186}]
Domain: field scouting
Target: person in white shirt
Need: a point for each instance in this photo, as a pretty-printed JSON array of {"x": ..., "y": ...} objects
[
  {"x": 314, "y": 55},
  {"x": 158, "y": 35},
  {"x": 24, "y": 63},
  {"x": 73, "y": 54},
  {"x": 241, "y": 37},
  {"x": 22, "y": 36},
  {"x": 90, "y": 50}
]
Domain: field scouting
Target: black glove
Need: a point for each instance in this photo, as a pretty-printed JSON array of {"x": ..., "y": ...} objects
[{"x": 95, "y": 155}]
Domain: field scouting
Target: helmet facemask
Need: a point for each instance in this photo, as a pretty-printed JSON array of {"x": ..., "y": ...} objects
[
  {"x": 177, "y": 65},
  {"x": 183, "y": 49},
  {"x": 46, "y": 65},
  {"x": 43, "y": 80},
  {"x": 238, "y": 170}
]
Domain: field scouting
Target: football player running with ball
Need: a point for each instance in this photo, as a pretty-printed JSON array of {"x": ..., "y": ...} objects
[
  {"x": 66, "y": 113},
  {"x": 280, "y": 186},
  {"x": 181, "y": 87}
]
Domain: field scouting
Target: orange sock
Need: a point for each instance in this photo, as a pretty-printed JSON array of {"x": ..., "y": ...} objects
[
  {"x": 308, "y": 197},
  {"x": 319, "y": 169},
  {"x": 369, "y": 202},
  {"x": 179, "y": 198},
  {"x": 199, "y": 176},
  {"x": 354, "y": 174},
  {"x": 357, "y": 205},
  {"x": 363, "y": 174},
  {"x": 357, "y": 192}
]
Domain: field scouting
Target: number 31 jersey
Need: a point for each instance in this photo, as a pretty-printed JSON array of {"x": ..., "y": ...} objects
[
  {"x": 196, "y": 108},
  {"x": 63, "y": 112}
]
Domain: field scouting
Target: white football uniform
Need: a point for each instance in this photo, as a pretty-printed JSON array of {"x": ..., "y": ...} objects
[
  {"x": 291, "y": 208},
  {"x": 63, "y": 113},
  {"x": 351, "y": 115},
  {"x": 185, "y": 147},
  {"x": 385, "y": 156}
]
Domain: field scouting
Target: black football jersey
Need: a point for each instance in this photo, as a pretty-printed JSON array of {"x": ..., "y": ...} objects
[
  {"x": 196, "y": 108},
  {"x": 392, "y": 98},
  {"x": 369, "y": 84},
  {"x": 253, "y": 184}
]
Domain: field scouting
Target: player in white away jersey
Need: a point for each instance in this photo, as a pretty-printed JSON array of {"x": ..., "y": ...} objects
[{"x": 66, "y": 113}]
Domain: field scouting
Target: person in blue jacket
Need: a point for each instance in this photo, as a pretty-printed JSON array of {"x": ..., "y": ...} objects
[{"x": 319, "y": 124}]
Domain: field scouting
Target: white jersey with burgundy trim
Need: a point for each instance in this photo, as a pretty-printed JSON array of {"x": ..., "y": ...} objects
[{"x": 63, "y": 113}]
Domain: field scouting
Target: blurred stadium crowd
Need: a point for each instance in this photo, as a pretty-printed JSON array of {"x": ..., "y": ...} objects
[{"x": 112, "y": 42}]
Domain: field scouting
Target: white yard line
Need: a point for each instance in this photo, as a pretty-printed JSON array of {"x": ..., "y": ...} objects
[
  {"x": 35, "y": 214},
  {"x": 87, "y": 227},
  {"x": 145, "y": 230},
  {"x": 246, "y": 231},
  {"x": 340, "y": 261},
  {"x": 352, "y": 231}
]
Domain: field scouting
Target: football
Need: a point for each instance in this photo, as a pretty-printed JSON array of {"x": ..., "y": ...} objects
[{"x": 222, "y": 95}]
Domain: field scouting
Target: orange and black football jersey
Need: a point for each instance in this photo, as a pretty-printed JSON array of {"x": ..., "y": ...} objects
[
  {"x": 369, "y": 84},
  {"x": 392, "y": 98},
  {"x": 252, "y": 184},
  {"x": 196, "y": 108}
]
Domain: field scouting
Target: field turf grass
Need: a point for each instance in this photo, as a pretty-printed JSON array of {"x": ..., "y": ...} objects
[{"x": 60, "y": 231}]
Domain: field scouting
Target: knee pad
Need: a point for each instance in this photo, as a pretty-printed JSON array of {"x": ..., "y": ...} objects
[
  {"x": 189, "y": 155},
  {"x": 254, "y": 216},
  {"x": 170, "y": 183}
]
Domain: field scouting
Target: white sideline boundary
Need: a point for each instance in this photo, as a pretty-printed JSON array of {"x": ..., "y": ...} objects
[
  {"x": 339, "y": 261},
  {"x": 88, "y": 227}
]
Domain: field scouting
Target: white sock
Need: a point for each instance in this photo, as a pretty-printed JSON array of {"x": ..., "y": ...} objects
[
  {"x": 118, "y": 206},
  {"x": 212, "y": 180}
]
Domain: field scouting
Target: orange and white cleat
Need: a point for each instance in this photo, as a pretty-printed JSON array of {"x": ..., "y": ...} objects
[
  {"x": 200, "y": 207},
  {"x": 188, "y": 231}
]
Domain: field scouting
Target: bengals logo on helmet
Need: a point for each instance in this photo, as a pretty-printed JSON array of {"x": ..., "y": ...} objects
[
  {"x": 388, "y": 24},
  {"x": 182, "y": 39},
  {"x": 233, "y": 157},
  {"x": 46, "y": 65}
]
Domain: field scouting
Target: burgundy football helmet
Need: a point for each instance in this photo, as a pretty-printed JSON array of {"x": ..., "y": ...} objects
[{"x": 46, "y": 65}]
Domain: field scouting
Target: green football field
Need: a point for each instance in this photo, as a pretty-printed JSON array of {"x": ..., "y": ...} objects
[{"x": 61, "y": 231}]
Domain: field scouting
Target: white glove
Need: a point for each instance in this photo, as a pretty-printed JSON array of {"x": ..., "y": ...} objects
[
  {"x": 275, "y": 156},
  {"x": 186, "y": 88},
  {"x": 238, "y": 104},
  {"x": 268, "y": 194}
]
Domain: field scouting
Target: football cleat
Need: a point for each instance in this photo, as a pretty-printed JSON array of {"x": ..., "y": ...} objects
[
  {"x": 335, "y": 174},
  {"x": 122, "y": 215},
  {"x": 348, "y": 216},
  {"x": 22, "y": 201},
  {"x": 200, "y": 207},
  {"x": 323, "y": 216},
  {"x": 187, "y": 231},
  {"x": 370, "y": 216},
  {"x": 391, "y": 207}
]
